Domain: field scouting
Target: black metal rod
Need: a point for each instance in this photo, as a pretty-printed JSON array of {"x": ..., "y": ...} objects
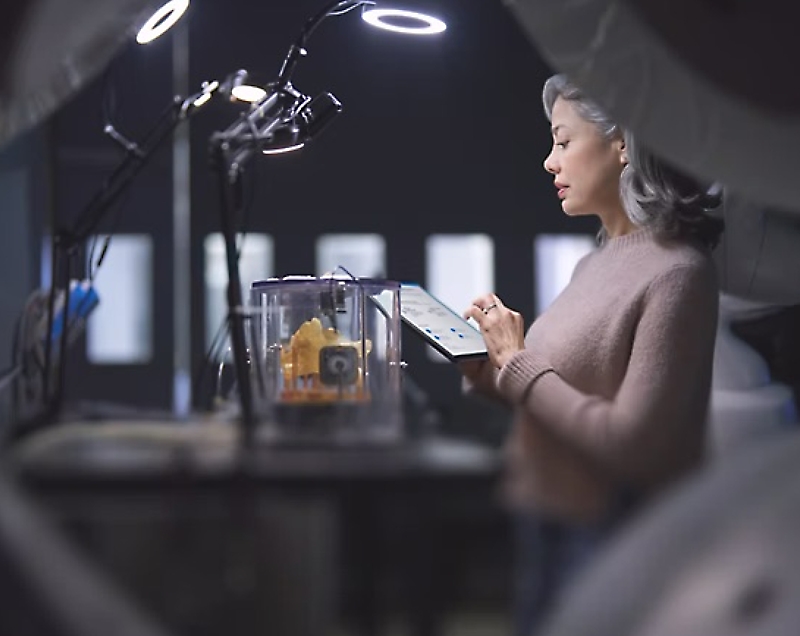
[
  {"x": 58, "y": 394},
  {"x": 297, "y": 49},
  {"x": 228, "y": 178},
  {"x": 119, "y": 180}
]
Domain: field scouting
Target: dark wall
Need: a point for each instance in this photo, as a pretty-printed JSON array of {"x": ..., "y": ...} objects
[
  {"x": 441, "y": 134},
  {"x": 24, "y": 197}
]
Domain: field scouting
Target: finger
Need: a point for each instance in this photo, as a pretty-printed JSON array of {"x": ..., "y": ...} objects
[
  {"x": 476, "y": 313},
  {"x": 484, "y": 300},
  {"x": 497, "y": 302},
  {"x": 468, "y": 311}
]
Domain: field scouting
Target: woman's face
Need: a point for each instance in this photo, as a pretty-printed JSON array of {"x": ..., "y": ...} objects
[{"x": 585, "y": 164}]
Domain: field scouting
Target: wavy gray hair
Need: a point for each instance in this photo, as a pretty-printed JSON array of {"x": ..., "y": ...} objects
[{"x": 654, "y": 194}]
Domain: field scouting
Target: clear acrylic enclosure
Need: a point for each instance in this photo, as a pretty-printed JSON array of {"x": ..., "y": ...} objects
[{"x": 325, "y": 358}]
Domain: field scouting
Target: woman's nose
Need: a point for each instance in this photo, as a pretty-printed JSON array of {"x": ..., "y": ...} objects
[{"x": 550, "y": 164}]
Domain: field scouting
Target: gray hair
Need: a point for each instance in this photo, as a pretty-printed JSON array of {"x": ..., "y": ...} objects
[{"x": 654, "y": 195}]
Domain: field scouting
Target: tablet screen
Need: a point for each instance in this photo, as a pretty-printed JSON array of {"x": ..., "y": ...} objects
[{"x": 439, "y": 325}]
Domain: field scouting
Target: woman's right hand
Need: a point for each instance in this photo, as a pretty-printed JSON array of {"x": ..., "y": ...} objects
[{"x": 472, "y": 369}]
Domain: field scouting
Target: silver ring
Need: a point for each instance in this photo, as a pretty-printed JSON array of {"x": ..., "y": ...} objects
[{"x": 486, "y": 310}]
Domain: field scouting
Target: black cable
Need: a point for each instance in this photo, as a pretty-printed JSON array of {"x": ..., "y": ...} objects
[
  {"x": 347, "y": 271},
  {"x": 89, "y": 268},
  {"x": 213, "y": 352},
  {"x": 362, "y": 309},
  {"x": 298, "y": 47},
  {"x": 115, "y": 216}
]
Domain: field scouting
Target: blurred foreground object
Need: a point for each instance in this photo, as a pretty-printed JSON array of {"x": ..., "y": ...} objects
[
  {"x": 51, "y": 48},
  {"x": 707, "y": 85},
  {"x": 759, "y": 247},
  {"x": 747, "y": 401},
  {"x": 717, "y": 557},
  {"x": 754, "y": 377},
  {"x": 49, "y": 587}
]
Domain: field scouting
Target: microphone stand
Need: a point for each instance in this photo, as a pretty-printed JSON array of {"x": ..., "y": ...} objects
[
  {"x": 229, "y": 176},
  {"x": 65, "y": 243},
  {"x": 230, "y": 150}
]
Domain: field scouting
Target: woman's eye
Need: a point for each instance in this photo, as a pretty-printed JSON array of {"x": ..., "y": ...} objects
[{"x": 561, "y": 144}]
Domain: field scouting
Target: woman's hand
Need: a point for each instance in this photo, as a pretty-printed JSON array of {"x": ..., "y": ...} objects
[
  {"x": 502, "y": 328},
  {"x": 472, "y": 369}
]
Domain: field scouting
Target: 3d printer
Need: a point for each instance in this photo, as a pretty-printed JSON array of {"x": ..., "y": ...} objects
[{"x": 326, "y": 359}]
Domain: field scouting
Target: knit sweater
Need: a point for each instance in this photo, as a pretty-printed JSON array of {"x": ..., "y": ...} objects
[{"x": 611, "y": 391}]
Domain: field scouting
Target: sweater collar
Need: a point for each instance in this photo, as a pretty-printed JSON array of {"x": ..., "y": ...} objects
[{"x": 637, "y": 237}]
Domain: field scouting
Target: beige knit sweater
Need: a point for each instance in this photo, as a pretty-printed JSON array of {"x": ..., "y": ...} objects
[{"x": 612, "y": 389}]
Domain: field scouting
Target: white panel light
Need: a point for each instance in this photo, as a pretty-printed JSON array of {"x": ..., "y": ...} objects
[
  {"x": 363, "y": 255},
  {"x": 120, "y": 330},
  {"x": 256, "y": 262},
  {"x": 555, "y": 257}
]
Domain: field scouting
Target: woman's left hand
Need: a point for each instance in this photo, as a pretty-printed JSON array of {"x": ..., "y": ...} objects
[{"x": 502, "y": 328}]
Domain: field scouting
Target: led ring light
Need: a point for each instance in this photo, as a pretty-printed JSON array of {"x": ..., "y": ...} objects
[
  {"x": 248, "y": 93},
  {"x": 162, "y": 20},
  {"x": 429, "y": 25},
  {"x": 280, "y": 151}
]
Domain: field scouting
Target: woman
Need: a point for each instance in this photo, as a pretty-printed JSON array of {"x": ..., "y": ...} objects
[{"x": 610, "y": 385}]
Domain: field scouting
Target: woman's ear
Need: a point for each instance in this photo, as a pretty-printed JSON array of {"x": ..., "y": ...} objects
[{"x": 623, "y": 152}]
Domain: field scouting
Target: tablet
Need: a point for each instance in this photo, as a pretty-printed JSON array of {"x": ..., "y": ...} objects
[{"x": 438, "y": 325}]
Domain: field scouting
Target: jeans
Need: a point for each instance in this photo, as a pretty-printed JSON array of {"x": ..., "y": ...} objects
[{"x": 549, "y": 555}]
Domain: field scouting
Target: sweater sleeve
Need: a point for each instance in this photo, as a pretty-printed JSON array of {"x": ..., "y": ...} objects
[
  {"x": 485, "y": 384},
  {"x": 663, "y": 397}
]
